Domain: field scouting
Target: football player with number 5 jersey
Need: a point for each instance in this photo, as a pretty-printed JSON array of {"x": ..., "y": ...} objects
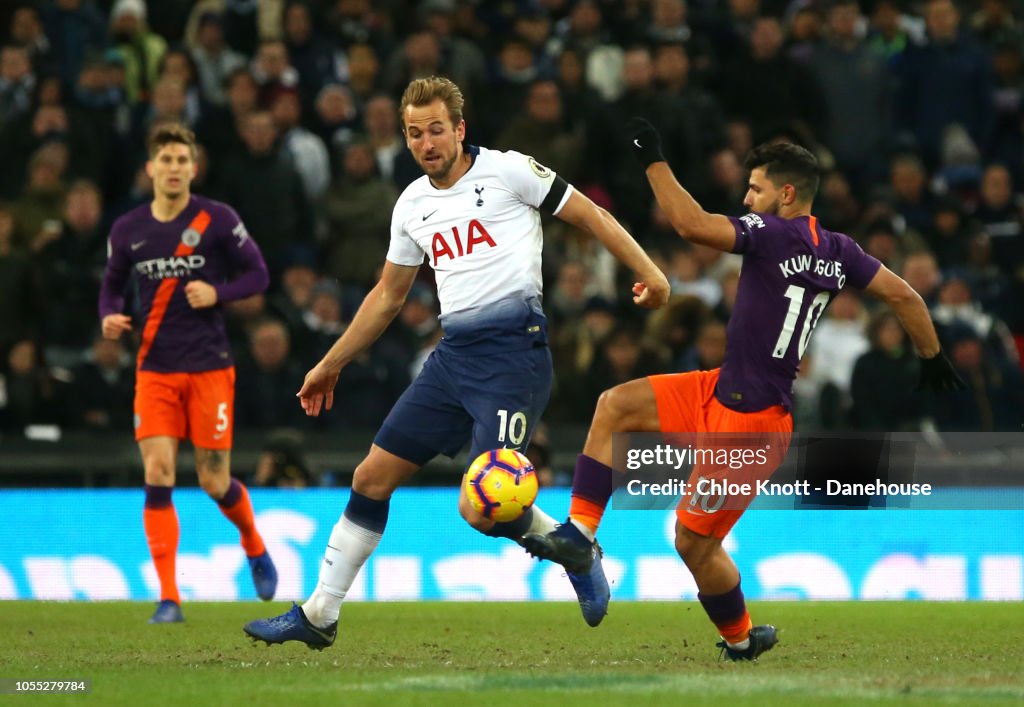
[
  {"x": 792, "y": 268},
  {"x": 185, "y": 255},
  {"x": 474, "y": 217}
]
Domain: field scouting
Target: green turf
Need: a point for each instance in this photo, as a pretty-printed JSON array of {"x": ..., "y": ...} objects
[{"x": 520, "y": 654}]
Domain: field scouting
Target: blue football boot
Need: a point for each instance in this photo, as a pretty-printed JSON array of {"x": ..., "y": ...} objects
[
  {"x": 292, "y": 626},
  {"x": 167, "y": 611},
  {"x": 762, "y": 638},
  {"x": 581, "y": 558},
  {"x": 264, "y": 575}
]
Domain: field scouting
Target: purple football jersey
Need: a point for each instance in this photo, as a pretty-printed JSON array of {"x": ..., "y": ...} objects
[
  {"x": 792, "y": 268},
  {"x": 206, "y": 241}
]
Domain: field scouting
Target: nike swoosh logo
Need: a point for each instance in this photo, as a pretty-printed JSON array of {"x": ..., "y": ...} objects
[
  {"x": 136, "y": 246},
  {"x": 637, "y": 143},
  {"x": 430, "y": 214}
]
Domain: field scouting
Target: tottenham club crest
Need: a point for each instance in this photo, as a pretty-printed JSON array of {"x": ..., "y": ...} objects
[
  {"x": 479, "y": 191},
  {"x": 190, "y": 237}
]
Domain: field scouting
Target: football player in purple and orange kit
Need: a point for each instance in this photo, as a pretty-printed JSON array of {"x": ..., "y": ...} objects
[
  {"x": 186, "y": 256},
  {"x": 792, "y": 268}
]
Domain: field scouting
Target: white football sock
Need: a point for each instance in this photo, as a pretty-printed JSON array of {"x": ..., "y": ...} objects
[
  {"x": 587, "y": 532},
  {"x": 347, "y": 551},
  {"x": 541, "y": 522},
  {"x": 741, "y": 646}
]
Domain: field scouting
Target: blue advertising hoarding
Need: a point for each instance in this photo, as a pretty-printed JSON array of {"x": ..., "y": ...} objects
[{"x": 89, "y": 545}]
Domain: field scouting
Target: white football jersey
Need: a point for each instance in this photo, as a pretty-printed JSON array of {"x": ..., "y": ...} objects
[{"x": 482, "y": 236}]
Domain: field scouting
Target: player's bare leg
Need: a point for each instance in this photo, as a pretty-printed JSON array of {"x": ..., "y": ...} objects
[
  {"x": 213, "y": 467},
  {"x": 354, "y": 538},
  {"x": 159, "y": 455},
  {"x": 719, "y": 592}
]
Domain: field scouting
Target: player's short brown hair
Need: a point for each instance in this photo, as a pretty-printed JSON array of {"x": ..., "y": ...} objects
[
  {"x": 164, "y": 134},
  {"x": 423, "y": 92},
  {"x": 786, "y": 163}
]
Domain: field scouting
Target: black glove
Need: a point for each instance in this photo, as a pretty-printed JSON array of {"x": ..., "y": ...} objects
[
  {"x": 644, "y": 141},
  {"x": 937, "y": 374}
]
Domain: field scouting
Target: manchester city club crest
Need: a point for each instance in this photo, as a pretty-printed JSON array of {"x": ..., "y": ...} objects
[{"x": 190, "y": 237}]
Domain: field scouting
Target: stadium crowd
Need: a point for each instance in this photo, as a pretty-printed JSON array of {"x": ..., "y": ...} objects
[{"x": 915, "y": 111}]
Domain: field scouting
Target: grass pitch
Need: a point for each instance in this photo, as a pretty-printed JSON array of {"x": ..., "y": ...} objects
[{"x": 520, "y": 654}]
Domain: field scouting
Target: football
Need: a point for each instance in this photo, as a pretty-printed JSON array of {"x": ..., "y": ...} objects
[{"x": 501, "y": 484}]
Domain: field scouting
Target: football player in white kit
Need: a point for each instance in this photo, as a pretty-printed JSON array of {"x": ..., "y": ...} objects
[{"x": 474, "y": 215}]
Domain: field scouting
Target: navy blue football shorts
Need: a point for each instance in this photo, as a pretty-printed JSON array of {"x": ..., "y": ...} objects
[{"x": 473, "y": 390}]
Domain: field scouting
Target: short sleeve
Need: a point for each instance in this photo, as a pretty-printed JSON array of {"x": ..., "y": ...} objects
[
  {"x": 402, "y": 249},
  {"x": 751, "y": 230},
  {"x": 534, "y": 183},
  {"x": 860, "y": 268}
]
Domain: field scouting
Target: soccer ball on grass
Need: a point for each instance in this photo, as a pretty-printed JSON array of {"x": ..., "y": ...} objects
[{"x": 501, "y": 484}]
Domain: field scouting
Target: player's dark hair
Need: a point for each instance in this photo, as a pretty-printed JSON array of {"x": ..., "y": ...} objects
[
  {"x": 164, "y": 134},
  {"x": 786, "y": 163},
  {"x": 423, "y": 92}
]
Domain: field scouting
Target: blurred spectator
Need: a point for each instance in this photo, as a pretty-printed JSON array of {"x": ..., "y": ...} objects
[
  {"x": 263, "y": 186},
  {"x": 1000, "y": 211},
  {"x": 583, "y": 31},
  {"x": 267, "y": 380},
  {"x": 912, "y": 199},
  {"x": 214, "y": 60},
  {"x": 1008, "y": 104},
  {"x": 76, "y": 29},
  {"x": 673, "y": 328},
  {"x": 891, "y": 31},
  {"x": 179, "y": 65},
  {"x": 687, "y": 278},
  {"x": 804, "y": 34},
  {"x": 221, "y": 129},
  {"x": 669, "y": 28},
  {"x": 727, "y": 185},
  {"x": 817, "y": 403},
  {"x": 362, "y": 22},
  {"x": 621, "y": 357},
  {"x": 282, "y": 464},
  {"x": 17, "y": 82},
  {"x": 140, "y": 48},
  {"x": 307, "y": 151},
  {"x": 27, "y": 31},
  {"x": 707, "y": 352},
  {"x": 506, "y": 93},
  {"x": 994, "y": 21},
  {"x": 273, "y": 71},
  {"x": 947, "y": 80},
  {"x": 394, "y": 161},
  {"x": 37, "y": 212},
  {"x": 322, "y": 320},
  {"x": 363, "y": 72},
  {"x": 884, "y": 378},
  {"x": 19, "y": 315},
  {"x": 71, "y": 266},
  {"x": 29, "y": 393},
  {"x": 416, "y": 331},
  {"x": 359, "y": 209},
  {"x": 947, "y": 236},
  {"x": 465, "y": 61},
  {"x": 855, "y": 86},
  {"x": 569, "y": 295},
  {"x": 766, "y": 71},
  {"x": 419, "y": 56},
  {"x": 244, "y": 22},
  {"x": 839, "y": 340},
  {"x": 956, "y": 306},
  {"x": 336, "y": 120},
  {"x": 539, "y": 131},
  {"x": 315, "y": 59},
  {"x": 880, "y": 242},
  {"x": 292, "y": 298},
  {"x": 102, "y": 389},
  {"x": 921, "y": 271},
  {"x": 994, "y": 399},
  {"x": 837, "y": 205}
]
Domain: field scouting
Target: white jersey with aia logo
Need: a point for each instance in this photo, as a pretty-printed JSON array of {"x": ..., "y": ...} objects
[{"x": 482, "y": 236}]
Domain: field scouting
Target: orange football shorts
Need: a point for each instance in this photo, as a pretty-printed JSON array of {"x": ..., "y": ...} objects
[{"x": 197, "y": 406}]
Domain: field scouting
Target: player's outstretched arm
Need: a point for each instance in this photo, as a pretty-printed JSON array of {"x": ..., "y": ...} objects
[
  {"x": 378, "y": 309},
  {"x": 684, "y": 213},
  {"x": 936, "y": 371},
  {"x": 653, "y": 289}
]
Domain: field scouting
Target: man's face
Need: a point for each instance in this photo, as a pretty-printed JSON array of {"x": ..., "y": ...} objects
[
  {"x": 259, "y": 133},
  {"x": 435, "y": 143},
  {"x": 14, "y": 64},
  {"x": 763, "y": 196},
  {"x": 172, "y": 170}
]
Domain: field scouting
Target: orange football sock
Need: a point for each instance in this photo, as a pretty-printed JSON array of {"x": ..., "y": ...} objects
[
  {"x": 737, "y": 630},
  {"x": 586, "y": 512},
  {"x": 161, "y": 526},
  {"x": 237, "y": 508}
]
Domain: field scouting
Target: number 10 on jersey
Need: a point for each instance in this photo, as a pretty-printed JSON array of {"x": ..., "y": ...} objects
[{"x": 795, "y": 295}]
